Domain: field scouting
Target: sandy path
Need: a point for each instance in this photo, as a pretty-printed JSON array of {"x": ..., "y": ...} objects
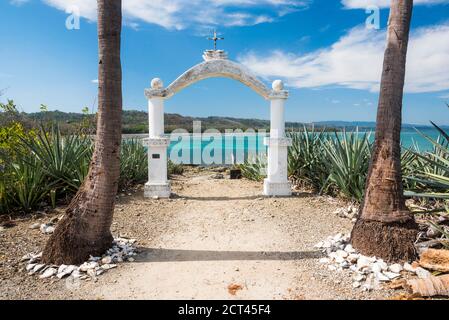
[{"x": 219, "y": 233}]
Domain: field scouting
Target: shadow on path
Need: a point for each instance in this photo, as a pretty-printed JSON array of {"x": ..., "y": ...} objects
[
  {"x": 254, "y": 197},
  {"x": 168, "y": 255}
]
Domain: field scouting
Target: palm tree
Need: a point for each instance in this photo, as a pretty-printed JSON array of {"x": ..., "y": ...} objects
[
  {"x": 385, "y": 227},
  {"x": 85, "y": 228}
]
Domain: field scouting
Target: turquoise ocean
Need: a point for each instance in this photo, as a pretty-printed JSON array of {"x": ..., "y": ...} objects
[{"x": 226, "y": 149}]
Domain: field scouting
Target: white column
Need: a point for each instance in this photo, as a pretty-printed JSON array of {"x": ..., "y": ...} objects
[
  {"x": 276, "y": 183},
  {"x": 158, "y": 185},
  {"x": 156, "y": 117}
]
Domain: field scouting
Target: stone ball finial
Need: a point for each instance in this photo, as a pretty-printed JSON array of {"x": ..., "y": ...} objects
[
  {"x": 157, "y": 83},
  {"x": 278, "y": 85}
]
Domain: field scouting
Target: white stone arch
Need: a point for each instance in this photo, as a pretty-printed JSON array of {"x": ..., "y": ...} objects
[{"x": 216, "y": 65}]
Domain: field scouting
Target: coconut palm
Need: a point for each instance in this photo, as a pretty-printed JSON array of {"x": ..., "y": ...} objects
[
  {"x": 385, "y": 227},
  {"x": 85, "y": 228}
]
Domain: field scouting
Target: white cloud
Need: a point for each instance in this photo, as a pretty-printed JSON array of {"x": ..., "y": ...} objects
[
  {"x": 181, "y": 14},
  {"x": 355, "y": 61},
  {"x": 363, "y": 4},
  {"x": 94, "y": 81}
]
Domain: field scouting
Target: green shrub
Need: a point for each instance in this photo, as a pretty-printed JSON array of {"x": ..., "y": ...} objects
[
  {"x": 65, "y": 159},
  {"x": 174, "y": 168},
  {"x": 431, "y": 177},
  {"x": 347, "y": 158},
  {"x": 306, "y": 161},
  {"x": 133, "y": 163},
  {"x": 29, "y": 185},
  {"x": 254, "y": 168}
]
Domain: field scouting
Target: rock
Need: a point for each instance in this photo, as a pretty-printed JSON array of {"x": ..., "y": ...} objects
[
  {"x": 359, "y": 278},
  {"x": 381, "y": 277},
  {"x": 35, "y": 226},
  {"x": 92, "y": 273},
  {"x": 363, "y": 262},
  {"x": 408, "y": 267},
  {"x": 47, "y": 228},
  {"x": 66, "y": 271},
  {"x": 392, "y": 275},
  {"x": 343, "y": 254},
  {"x": 332, "y": 268},
  {"x": 76, "y": 274},
  {"x": 349, "y": 249},
  {"x": 340, "y": 260},
  {"x": 218, "y": 176},
  {"x": 352, "y": 258},
  {"x": 35, "y": 257},
  {"x": 38, "y": 267},
  {"x": 108, "y": 266},
  {"x": 396, "y": 268},
  {"x": 30, "y": 266},
  {"x": 376, "y": 268},
  {"x": 106, "y": 260},
  {"x": 88, "y": 266},
  {"x": 338, "y": 237},
  {"x": 345, "y": 264},
  {"x": 155, "y": 198},
  {"x": 131, "y": 259},
  {"x": 26, "y": 257},
  {"x": 356, "y": 285},
  {"x": 61, "y": 268},
  {"x": 382, "y": 264},
  {"x": 422, "y": 273},
  {"x": 324, "y": 261},
  {"x": 50, "y": 272}
]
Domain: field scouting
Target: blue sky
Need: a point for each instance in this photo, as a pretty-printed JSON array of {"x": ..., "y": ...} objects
[{"x": 322, "y": 49}]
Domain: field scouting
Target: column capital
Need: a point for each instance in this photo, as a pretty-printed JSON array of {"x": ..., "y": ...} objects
[
  {"x": 157, "y": 89},
  {"x": 151, "y": 93},
  {"x": 283, "y": 94}
]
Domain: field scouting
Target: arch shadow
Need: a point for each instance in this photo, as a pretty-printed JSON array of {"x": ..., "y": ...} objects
[{"x": 177, "y": 255}]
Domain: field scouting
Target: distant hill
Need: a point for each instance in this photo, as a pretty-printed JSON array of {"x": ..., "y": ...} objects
[{"x": 137, "y": 122}]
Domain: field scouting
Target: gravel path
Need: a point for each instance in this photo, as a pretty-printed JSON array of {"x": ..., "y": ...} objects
[{"x": 217, "y": 239}]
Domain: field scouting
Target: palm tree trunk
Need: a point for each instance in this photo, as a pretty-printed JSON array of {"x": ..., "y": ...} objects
[
  {"x": 385, "y": 227},
  {"x": 85, "y": 228}
]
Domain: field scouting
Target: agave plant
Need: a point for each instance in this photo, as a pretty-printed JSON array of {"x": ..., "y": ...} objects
[
  {"x": 133, "y": 162},
  {"x": 30, "y": 186},
  {"x": 432, "y": 179},
  {"x": 65, "y": 159},
  {"x": 306, "y": 164},
  {"x": 348, "y": 156},
  {"x": 254, "y": 168}
]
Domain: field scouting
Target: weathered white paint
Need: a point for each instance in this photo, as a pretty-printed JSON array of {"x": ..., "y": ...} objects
[
  {"x": 157, "y": 143},
  {"x": 217, "y": 65},
  {"x": 276, "y": 183},
  {"x": 211, "y": 69}
]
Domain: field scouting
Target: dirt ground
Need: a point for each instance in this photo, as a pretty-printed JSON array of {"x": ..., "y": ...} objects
[{"x": 216, "y": 239}]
